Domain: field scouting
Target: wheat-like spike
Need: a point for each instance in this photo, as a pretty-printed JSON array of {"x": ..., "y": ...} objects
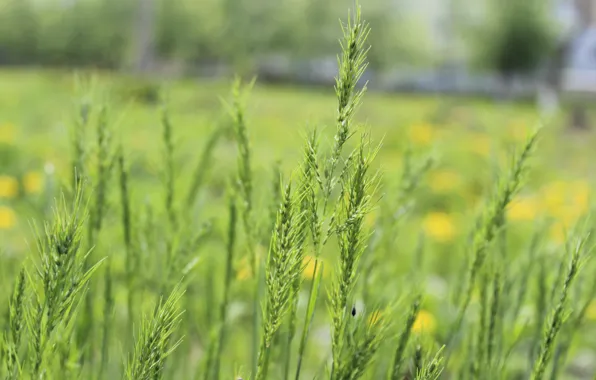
[
  {"x": 357, "y": 188},
  {"x": 366, "y": 339},
  {"x": 61, "y": 276},
  {"x": 16, "y": 317},
  {"x": 153, "y": 345},
  {"x": 283, "y": 268},
  {"x": 558, "y": 316},
  {"x": 404, "y": 337},
  {"x": 493, "y": 219},
  {"x": 352, "y": 65}
]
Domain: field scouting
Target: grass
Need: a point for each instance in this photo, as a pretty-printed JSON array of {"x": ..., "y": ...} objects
[{"x": 386, "y": 241}]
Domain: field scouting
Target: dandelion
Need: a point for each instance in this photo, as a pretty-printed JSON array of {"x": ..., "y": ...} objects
[
  {"x": 439, "y": 226},
  {"x": 33, "y": 182},
  {"x": 9, "y": 187},
  {"x": 7, "y": 133},
  {"x": 425, "y": 322},
  {"x": 421, "y": 134},
  {"x": 523, "y": 209},
  {"x": 444, "y": 181},
  {"x": 8, "y": 218}
]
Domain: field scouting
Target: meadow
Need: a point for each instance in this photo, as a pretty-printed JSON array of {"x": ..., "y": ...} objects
[{"x": 208, "y": 229}]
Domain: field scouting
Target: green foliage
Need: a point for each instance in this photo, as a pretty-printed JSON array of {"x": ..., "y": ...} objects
[
  {"x": 103, "y": 33},
  {"x": 519, "y": 37}
]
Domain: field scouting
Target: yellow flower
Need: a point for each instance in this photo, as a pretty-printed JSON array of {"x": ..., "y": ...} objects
[
  {"x": 439, "y": 226},
  {"x": 9, "y": 187},
  {"x": 7, "y": 133},
  {"x": 8, "y": 218},
  {"x": 444, "y": 181},
  {"x": 33, "y": 182},
  {"x": 421, "y": 134},
  {"x": 425, "y": 322},
  {"x": 480, "y": 144},
  {"x": 523, "y": 209}
]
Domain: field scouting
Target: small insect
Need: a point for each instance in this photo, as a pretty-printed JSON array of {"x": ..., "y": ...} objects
[{"x": 354, "y": 311}]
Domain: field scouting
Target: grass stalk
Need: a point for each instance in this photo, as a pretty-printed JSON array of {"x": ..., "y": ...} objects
[
  {"x": 227, "y": 284},
  {"x": 404, "y": 337},
  {"x": 130, "y": 262}
]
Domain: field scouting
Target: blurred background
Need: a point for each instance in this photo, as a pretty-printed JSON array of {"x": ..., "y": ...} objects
[
  {"x": 458, "y": 79},
  {"x": 489, "y": 47}
]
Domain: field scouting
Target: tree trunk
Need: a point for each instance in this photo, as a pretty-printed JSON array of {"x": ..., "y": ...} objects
[
  {"x": 579, "y": 117},
  {"x": 145, "y": 36}
]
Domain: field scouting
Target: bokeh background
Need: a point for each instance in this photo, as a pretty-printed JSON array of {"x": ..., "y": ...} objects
[{"x": 461, "y": 81}]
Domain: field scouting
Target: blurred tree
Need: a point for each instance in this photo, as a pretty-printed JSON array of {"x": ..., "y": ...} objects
[
  {"x": 19, "y": 32},
  {"x": 517, "y": 39}
]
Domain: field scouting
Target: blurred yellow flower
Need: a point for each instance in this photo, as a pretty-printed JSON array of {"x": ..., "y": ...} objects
[
  {"x": 566, "y": 201},
  {"x": 517, "y": 130},
  {"x": 244, "y": 272},
  {"x": 8, "y": 218},
  {"x": 444, "y": 181},
  {"x": 7, "y": 133},
  {"x": 557, "y": 233},
  {"x": 309, "y": 267},
  {"x": 9, "y": 187},
  {"x": 421, "y": 134},
  {"x": 591, "y": 311},
  {"x": 439, "y": 226},
  {"x": 425, "y": 322},
  {"x": 581, "y": 195},
  {"x": 523, "y": 209},
  {"x": 480, "y": 144},
  {"x": 33, "y": 182},
  {"x": 553, "y": 196}
]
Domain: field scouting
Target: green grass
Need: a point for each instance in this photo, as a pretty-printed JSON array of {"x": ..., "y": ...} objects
[{"x": 293, "y": 233}]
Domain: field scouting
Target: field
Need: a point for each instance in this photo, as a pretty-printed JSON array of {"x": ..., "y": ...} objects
[{"x": 458, "y": 247}]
